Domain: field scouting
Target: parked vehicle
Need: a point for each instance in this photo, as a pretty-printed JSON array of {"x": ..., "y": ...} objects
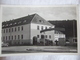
[{"x": 5, "y": 44}]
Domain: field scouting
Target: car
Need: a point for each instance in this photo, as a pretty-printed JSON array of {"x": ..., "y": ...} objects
[{"x": 5, "y": 44}]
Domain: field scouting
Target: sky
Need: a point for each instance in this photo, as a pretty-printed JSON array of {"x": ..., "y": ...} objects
[{"x": 48, "y": 13}]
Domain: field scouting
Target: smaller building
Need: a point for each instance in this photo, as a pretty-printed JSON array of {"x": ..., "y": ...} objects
[
  {"x": 59, "y": 38},
  {"x": 58, "y": 35}
]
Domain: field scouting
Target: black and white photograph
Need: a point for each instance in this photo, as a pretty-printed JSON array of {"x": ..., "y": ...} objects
[{"x": 39, "y": 29}]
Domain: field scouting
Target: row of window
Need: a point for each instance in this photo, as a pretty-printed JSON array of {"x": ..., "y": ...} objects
[
  {"x": 38, "y": 27},
  {"x": 58, "y": 32},
  {"x": 20, "y": 22},
  {"x": 13, "y": 29},
  {"x": 12, "y": 37},
  {"x": 46, "y": 36}
]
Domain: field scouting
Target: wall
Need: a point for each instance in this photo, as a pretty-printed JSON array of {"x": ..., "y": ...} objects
[
  {"x": 25, "y": 32},
  {"x": 35, "y": 31}
]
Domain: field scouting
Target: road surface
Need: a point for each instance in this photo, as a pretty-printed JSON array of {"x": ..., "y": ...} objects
[{"x": 38, "y": 49}]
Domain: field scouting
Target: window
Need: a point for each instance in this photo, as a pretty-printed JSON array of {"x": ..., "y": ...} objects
[
  {"x": 4, "y": 30},
  {"x": 37, "y": 27},
  {"x": 6, "y": 37},
  {"x": 18, "y": 28},
  {"x": 12, "y": 29},
  {"x": 15, "y": 28},
  {"x": 2, "y": 25},
  {"x": 12, "y": 37},
  {"x": 15, "y": 23},
  {"x": 15, "y": 37},
  {"x": 9, "y": 37},
  {"x": 42, "y": 28},
  {"x": 45, "y": 27},
  {"x": 18, "y": 36},
  {"x": 19, "y": 22},
  {"x": 21, "y": 36},
  {"x": 56, "y": 32},
  {"x": 49, "y": 36},
  {"x": 24, "y": 21},
  {"x": 3, "y": 38},
  {"x": 41, "y": 21},
  {"x": 22, "y": 28},
  {"x": 11, "y": 24},
  {"x": 49, "y": 27},
  {"x": 7, "y": 25},
  {"x": 46, "y": 36},
  {"x": 38, "y": 36},
  {"x": 9, "y": 30}
]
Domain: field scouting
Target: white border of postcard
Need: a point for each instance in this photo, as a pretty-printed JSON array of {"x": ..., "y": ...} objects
[{"x": 78, "y": 47}]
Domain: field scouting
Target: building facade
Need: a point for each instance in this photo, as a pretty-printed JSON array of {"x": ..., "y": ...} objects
[
  {"x": 24, "y": 29},
  {"x": 58, "y": 35}
]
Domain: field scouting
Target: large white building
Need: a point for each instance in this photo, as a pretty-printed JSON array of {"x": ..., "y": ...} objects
[{"x": 22, "y": 30}]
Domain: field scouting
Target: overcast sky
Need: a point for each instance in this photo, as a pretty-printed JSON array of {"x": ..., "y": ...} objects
[{"x": 48, "y": 13}]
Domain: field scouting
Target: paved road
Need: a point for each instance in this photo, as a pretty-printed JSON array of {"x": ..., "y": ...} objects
[{"x": 38, "y": 49}]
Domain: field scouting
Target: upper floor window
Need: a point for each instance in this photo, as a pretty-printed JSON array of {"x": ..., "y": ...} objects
[
  {"x": 37, "y": 27},
  {"x": 4, "y": 30},
  {"x": 12, "y": 37},
  {"x": 15, "y": 23},
  {"x": 19, "y": 22},
  {"x": 15, "y": 37},
  {"x": 49, "y": 36},
  {"x": 56, "y": 32},
  {"x": 18, "y": 28},
  {"x": 41, "y": 21},
  {"x": 45, "y": 27},
  {"x": 15, "y": 28},
  {"x": 42, "y": 28},
  {"x": 9, "y": 30},
  {"x": 10, "y": 23},
  {"x": 49, "y": 27},
  {"x": 24, "y": 21},
  {"x": 3, "y": 25},
  {"x": 18, "y": 36},
  {"x": 7, "y": 25},
  {"x": 6, "y": 37},
  {"x": 12, "y": 29},
  {"x": 22, "y": 28},
  {"x": 3, "y": 38}
]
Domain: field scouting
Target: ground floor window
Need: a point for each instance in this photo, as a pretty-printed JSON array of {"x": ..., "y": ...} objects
[
  {"x": 21, "y": 36},
  {"x": 38, "y": 36},
  {"x": 49, "y": 36},
  {"x": 46, "y": 36}
]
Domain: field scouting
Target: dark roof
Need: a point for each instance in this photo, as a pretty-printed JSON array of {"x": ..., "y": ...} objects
[
  {"x": 19, "y": 21},
  {"x": 34, "y": 18},
  {"x": 39, "y": 20},
  {"x": 50, "y": 29}
]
